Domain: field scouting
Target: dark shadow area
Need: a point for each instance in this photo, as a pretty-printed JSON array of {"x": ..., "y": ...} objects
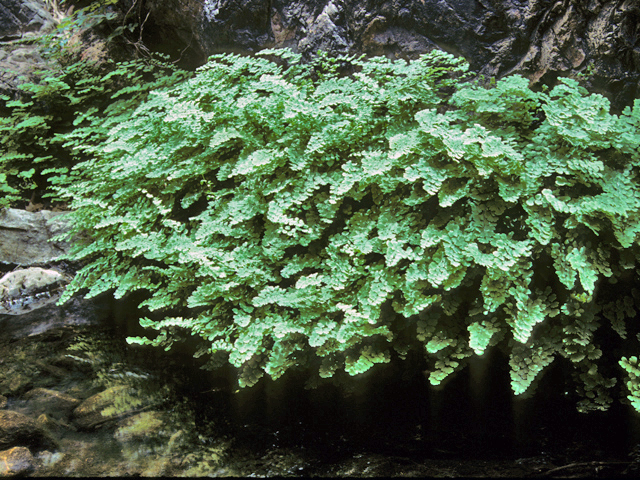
[
  {"x": 473, "y": 416},
  {"x": 392, "y": 410}
]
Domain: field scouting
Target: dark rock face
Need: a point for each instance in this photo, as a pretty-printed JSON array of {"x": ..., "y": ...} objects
[
  {"x": 539, "y": 38},
  {"x": 18, "y": 17},
  {"x": 76, "y": 311}
]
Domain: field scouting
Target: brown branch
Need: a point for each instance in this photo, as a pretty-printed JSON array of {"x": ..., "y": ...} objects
[
  {"x": 184, "y": 49},
  {"x": 128, "y": 12},
  {"x": 142, "y": 26},
  {"x": 139, "y": 46}
]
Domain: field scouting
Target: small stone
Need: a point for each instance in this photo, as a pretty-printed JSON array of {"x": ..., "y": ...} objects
[
  {"x": 45, "y": 422},
  {"x": 47, "y": 459},
  {"x": 52, "y": 424},
  {"x": 3, "y": 401},
  {"x": 16, "y": 461}
]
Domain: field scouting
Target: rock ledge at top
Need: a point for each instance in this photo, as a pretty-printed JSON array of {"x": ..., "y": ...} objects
[{"x": 537, "y": 38}]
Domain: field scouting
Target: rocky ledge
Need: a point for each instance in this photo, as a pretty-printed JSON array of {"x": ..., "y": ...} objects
[{"x": 540, "y": 39}]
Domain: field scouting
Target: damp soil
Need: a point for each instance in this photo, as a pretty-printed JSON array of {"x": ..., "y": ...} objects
[{"x": 174, "y": 421}]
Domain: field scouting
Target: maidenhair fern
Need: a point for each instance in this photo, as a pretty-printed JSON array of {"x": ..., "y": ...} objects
[
  {"x": 53, "y": 121},
  {"x": 294, "y": 217}
]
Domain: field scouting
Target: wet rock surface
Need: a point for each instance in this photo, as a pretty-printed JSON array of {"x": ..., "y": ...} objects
[
  {"x": 51, "y": 317},
  {"x": 29, "y": 289},
  {"x": 35, "y": 280},
  {"x": 16, "y": 461},
  {"x": 103, "y": 407},
  {"x": 44, "y": 400},
  {"x": 140, "y": 426},
  {"x": 19, "y": 429}
]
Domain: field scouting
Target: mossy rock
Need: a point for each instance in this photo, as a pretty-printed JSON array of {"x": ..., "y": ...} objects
[
  {"x": 109, "y": 405},
  {"x": 17, "y": 429},
  {"x": 16, "y": 384},
  {"x": 143, "y": 426},
  {"x": 43, "y": 400}
]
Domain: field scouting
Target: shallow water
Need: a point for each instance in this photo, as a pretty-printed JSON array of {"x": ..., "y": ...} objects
[{"x": 171, "y": 419}]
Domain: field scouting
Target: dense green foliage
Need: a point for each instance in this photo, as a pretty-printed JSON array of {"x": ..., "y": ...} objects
[
  {"x": 86, "y": 97},
  {"x": 294, "y": 217}
]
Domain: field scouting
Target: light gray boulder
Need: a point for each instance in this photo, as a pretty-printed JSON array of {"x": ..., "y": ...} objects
[
  {"x": 29, "y": 289},
  {"x": 25, "y": 236}
]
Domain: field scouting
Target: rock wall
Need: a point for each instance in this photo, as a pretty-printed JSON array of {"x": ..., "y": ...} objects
[
  {"x": 21, "y": 20},
  {"x": 28, "y": 293},
  {"x": 25, "y": 237},
  {"x": 21, "y": 56},
  {"x": 539, "y": 38}
]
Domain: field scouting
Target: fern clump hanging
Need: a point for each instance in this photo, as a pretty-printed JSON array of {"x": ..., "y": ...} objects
[{"x": 294, "y": 217}]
